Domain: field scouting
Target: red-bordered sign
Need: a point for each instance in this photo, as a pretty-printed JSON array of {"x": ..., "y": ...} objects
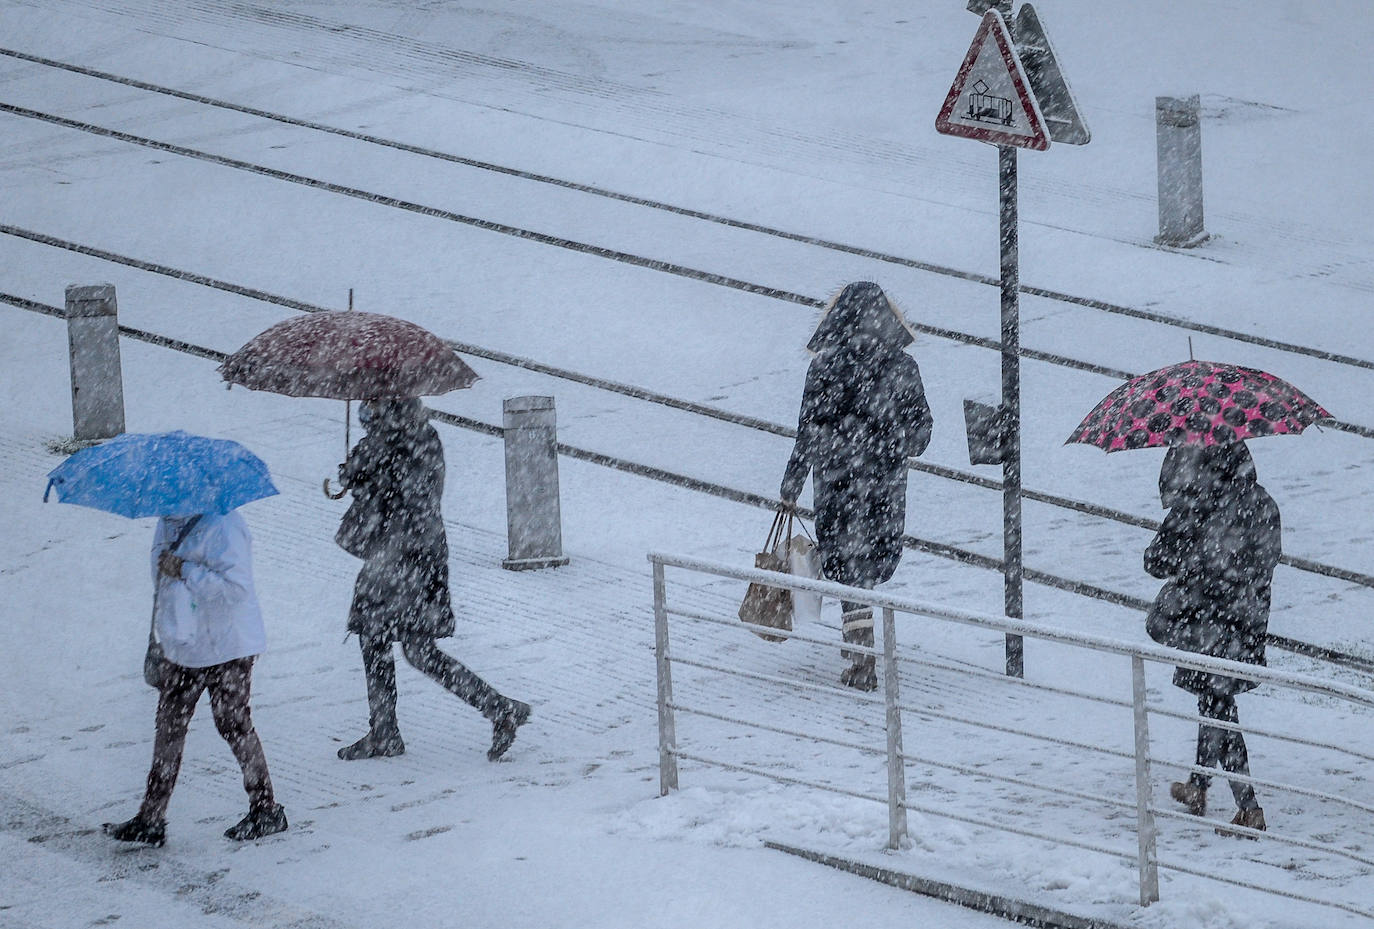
[{"x": 990, "y": 99}]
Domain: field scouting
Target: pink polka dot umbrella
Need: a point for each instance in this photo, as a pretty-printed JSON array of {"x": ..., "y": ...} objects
[{"x": 1197, "y": 403}]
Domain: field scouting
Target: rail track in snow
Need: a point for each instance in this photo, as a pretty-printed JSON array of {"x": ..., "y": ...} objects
[
  {"x": 916, "y": 543},
  {"x": 658, "y": 265}
]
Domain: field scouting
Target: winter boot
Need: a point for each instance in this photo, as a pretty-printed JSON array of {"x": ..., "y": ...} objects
[
  {"x": 503, "y": 727},
  {"x": 862, "y": 674},
  {"x": 1252, "y": 818},
  {"x": 374, "y": 745},
  {"x": 137, "y": 830},
  {"x": 1191, "y": 795},
  {"x": 264, "y": 821}
]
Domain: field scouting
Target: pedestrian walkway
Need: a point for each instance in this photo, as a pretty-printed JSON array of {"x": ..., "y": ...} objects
[{"x": 577, "y": 643}]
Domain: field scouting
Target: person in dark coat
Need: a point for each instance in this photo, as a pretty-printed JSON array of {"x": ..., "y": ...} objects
[
  {"x": 1217, "y": 548},
  {"x": 863, "y": 414},
  {"x": 396, "y": 476}
]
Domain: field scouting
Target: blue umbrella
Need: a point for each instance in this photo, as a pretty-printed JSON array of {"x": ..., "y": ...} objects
[{"x": 162, "y": 474}]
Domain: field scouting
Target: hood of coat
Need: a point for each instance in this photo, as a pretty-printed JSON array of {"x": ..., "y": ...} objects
[
  {"x": 379, "y": 416},
  {"x": 863, "y": 320},
  {"x": 1193, "y": 476}
]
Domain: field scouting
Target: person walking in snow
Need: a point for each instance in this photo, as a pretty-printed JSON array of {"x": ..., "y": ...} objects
[
  {"x": 863, "y": 414},
  {"x": 210, "y": 627},
  {"x": 396, "y": 476},
  {"x": 1217, "y": 548}
]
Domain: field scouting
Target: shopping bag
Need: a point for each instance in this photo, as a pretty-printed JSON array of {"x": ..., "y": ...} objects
[{"x": 764, "y": 606}]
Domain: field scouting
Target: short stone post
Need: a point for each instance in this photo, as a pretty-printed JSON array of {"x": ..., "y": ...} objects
[
  {"x": 93, "y": 344},
  {"x": 1178, "y": 138},
  {"x": 534, "y": 528}
]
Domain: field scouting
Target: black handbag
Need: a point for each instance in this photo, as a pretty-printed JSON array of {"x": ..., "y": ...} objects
[
  {"x": 1165, "y": 622},
  {"x": 154, "y": 660}
]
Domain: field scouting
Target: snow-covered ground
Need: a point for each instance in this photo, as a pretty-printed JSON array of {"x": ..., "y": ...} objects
[{"x": 810, "y": 117}]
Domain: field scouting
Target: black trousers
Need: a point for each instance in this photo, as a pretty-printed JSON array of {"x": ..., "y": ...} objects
[
  {"x": 379, "y": 666},
  {"x": 229, "y": 685},
  {"x": 1224, "y": 747}
]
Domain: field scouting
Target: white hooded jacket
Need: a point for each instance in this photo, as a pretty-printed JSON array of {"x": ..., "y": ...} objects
[{"x": 210, "y": 614}]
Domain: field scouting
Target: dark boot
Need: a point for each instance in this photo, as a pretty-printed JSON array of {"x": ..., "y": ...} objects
[
  {"x": 374, "y": 745},
  {"x": 1190, "y": 794},
  {"x": 383, "y": 739},
  {"x": 1253, "y": 818},
  {"x": 862, "y": 675},
  {"x": 264, "y": 821},
  {"x": 503, "y": 727},
  {"x": 138, "y": 830}
]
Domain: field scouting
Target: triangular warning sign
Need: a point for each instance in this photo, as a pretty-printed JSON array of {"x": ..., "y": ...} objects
[
  {"x": 1047, "y": 81},
  {"x": 990, "y": 99}
]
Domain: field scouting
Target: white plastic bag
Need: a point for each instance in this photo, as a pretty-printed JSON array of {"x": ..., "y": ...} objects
[{"x": 804, "y": 561}]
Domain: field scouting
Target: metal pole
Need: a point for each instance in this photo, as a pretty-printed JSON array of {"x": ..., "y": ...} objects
[
  {"x": 1011, "y": 404},
  {"x": 667, "y": 735},
  {"x": 896, "y": 761},
  {"x": 1145, "y": 819}
]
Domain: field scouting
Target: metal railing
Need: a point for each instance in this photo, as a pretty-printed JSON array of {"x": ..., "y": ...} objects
[{"x": 1145, "y": 855}]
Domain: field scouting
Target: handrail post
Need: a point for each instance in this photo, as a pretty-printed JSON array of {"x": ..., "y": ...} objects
[
  {"x": 896, "y": 762},
  {"x": 667, "y": 735},
  {"x": 1145, "y": 818}
]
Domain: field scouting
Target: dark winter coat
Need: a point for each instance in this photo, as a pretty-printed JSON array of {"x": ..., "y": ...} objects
[
  {"x": 396, "y": 476},
  {"x": 1217, "y": 547},
  {"x": 863, "y": 414}
]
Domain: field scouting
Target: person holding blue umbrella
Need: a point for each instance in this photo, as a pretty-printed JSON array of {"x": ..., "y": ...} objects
[{"x": 207, "y": 626}]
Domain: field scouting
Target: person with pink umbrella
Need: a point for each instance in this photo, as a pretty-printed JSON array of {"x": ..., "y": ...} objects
[{"x": 1217, "y": 547}]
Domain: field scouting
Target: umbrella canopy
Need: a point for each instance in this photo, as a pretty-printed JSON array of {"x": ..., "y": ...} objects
[
  {"x": 162, "y": 474},
  {"x": 1197, "y": 403},
  {"x": 348, "y": 356}
]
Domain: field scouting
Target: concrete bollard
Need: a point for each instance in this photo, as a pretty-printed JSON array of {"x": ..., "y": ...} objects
[
  {"x": 534, "y": 527},
  {"x": 93, "y": 347},
  {"x": 1178, "y": 138}
]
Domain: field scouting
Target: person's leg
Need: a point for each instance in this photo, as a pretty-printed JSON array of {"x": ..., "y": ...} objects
[
  {"x": 452, "y": 675},
  {"x": 1210, "y": 739},
  {"x": 176, "y": 704},
  {"x": 1192, "y": 792},
  {"x": 384, "y": 733},
  {"x": 506, "y": 715},
  {"x": 1234, "y": 758},
  {"x": 230, "y": 687}
]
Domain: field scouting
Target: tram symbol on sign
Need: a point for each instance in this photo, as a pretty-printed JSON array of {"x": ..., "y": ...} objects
[{"x": 988, "y": 108}]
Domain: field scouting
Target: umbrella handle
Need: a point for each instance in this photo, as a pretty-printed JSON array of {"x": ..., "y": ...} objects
[{"x": 334, "y": 496}]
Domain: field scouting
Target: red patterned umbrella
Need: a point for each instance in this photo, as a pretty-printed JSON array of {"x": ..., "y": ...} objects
[
  {"x": 1197, "y": 403},
  {"x": 348, "y": 355}
]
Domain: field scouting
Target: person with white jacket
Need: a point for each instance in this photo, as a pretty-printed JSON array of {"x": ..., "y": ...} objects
[{"x": 205, "y": 612}]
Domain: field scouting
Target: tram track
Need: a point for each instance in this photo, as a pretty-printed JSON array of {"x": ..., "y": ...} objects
[
  {"x": 653, "y": 264},
  {"x": 916, "y": 543},
  {"x": 1105, "y": 306},
  {"x": 664, "y": 267},
  {"x": 637, "y": 393}
]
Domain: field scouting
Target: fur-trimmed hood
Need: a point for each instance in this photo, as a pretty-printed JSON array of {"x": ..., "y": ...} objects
[{"x": 863, "y": 319}]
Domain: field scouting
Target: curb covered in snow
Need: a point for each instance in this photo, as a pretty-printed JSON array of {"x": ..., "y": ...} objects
[{"x": 1019, "y": 911}]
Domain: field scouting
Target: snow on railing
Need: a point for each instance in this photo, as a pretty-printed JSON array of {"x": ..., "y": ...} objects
[{"x": 1145, "y": 857}]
